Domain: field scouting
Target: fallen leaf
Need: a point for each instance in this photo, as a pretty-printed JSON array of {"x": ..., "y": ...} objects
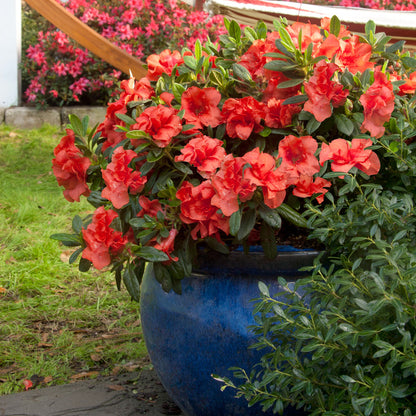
[
  {"x": 47, "y": 379},
  {"x": 65, "y": 256},
  {"x": 116, "y": 387},
  {"x": 96, "y": 357},
  {"x": 44, "y": 345},
  {"x": 10, "y": 260},
  {"x": 3, "y": 290},
  {"x": 116, "y": 370},
  {"x": 85, "y": 374},
  {"x": 28, "y": 384}
]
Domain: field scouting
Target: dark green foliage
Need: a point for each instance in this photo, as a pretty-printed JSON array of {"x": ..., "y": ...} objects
[{"x": 342, "y": 341}]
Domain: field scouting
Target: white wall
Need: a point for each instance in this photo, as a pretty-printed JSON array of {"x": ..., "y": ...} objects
[{"x": 10, "y": 51}]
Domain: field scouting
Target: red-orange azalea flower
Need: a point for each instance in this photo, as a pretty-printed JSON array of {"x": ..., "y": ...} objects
[
  {"x": 298, "y": 156},
  {"x": 205, "y": 153},
  {"x": 201, "y": 107},
  {"x": 120, "y": 178},
  {"x": 345, "y": 155},
  {"x": 243, "y": 116},
  {"x": 101, "y": 239},
  {"x": 230, "y": 186},
  {"x": 161, "y": 122},
  {"x": 70, "y": 168},
  {"x": 378, "y": 104},
  {"x": 322, "y": 91},
  {"x": 157, "y": 64},
  {"x": 196, "y": 207}
]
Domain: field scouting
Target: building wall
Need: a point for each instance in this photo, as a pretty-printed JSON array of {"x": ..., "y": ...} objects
[{"x": 10, "y": 52}]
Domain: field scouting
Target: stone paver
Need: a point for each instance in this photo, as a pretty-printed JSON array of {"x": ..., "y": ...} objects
[{"x": 131, "y": 394}]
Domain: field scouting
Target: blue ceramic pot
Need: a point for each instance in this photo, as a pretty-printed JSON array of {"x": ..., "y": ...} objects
[{"x": 204, "y": 331}]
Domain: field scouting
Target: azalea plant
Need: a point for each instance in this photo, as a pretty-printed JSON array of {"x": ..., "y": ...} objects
[
  {"x": 58, "y": 71},
  {"x": 226, "y": 146}
]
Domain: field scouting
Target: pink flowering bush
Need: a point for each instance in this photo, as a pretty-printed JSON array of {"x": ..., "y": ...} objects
[
  {"x": 57, "y": 71},
  {"x": 227, "y": 146}
]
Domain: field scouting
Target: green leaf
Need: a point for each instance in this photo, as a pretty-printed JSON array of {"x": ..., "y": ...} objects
[
  {"x": 137, "y": 134},
  {"x": 198, "y": 49},
  {"x": 291, "y": 215},
  {"x": 265, "y": 132},
  {"x": 77, "y": 224},
  {"x": 335, "y": 26},
  {"x": 214, "y": 244},
  {"x": 75, "y": 255},
  {"x": 183, "y": 167},
  {"x": 312, "y": 125},
  {"x": 68, "y": 240},
  {"x": 409, "y": 62},
  {"x": 264, "y": 290},
  {"x": 241, "y": 72},
  {"x": 291, "y": 83},
  {"x": 163, "y": 277},
  {"x": 131, "y": 282},
  {"x": 348, "y": 379},
  {"x": 344, "y": 124},
  {"x": 247, "y": 224},
  {"x": 370, "y": 27},
  {"x": 151, "y": 254},
  {"x": 286, "y": 39},
  {"x": 250, "y": 33},
  {"x": 296, "y": 99},
  {"x": 235, "y": 222},
  {"x": 270, "y": 216},
  {"x": 396, "y": 46},
  {"x": 235, "y": 31},
  {"x": 124, "y": 117},
  {"x": 154, "y": 155},
  {"x": 190, "y": 61},
  {"x": 84, "y": 265},
  {"x": 76, "y": 125},
  {"x": 280, "y": 66},
  {"x": 268, "y": 240},
  {"x": 84, "y": 123}
]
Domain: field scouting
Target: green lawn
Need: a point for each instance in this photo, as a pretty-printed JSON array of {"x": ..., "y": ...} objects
[{"x": 56, "y": 324}]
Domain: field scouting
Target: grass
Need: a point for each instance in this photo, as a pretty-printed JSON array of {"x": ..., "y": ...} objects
[{"x": 57, "y": 324}]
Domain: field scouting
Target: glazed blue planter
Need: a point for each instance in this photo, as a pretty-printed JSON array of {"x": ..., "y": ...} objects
[{"x": 204, "y": 331}]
